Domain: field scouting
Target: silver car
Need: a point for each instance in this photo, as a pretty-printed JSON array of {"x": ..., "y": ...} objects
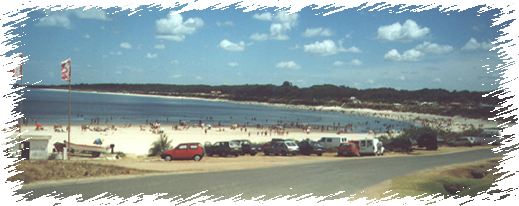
[{"x": 463, "y": 141}]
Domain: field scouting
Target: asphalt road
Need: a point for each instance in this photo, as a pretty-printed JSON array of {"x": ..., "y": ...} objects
[{"x": 348, "y": 175}]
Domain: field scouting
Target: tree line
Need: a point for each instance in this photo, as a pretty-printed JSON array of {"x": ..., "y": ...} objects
[{"x": 327, "y": 94}]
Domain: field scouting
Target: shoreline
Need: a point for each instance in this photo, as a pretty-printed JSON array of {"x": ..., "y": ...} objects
[{"x": 456, "y": 123}]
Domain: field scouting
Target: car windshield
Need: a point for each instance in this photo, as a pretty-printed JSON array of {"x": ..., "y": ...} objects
[
  {"x": 346, "y": 145},
  {"x": 291, "y": 144},
  {"x": 234, "y": 144}
]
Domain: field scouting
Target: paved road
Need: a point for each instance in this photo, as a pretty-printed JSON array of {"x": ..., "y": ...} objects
[{"x": 321, "y": 179}]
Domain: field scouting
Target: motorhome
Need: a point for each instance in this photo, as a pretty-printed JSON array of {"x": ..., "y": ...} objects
[
  {"x": 332, "y": 142},
  {"x": 370, "y": 146}
]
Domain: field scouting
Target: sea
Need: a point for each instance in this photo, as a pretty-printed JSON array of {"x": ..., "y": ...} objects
[{"x": 51, "y": 107}]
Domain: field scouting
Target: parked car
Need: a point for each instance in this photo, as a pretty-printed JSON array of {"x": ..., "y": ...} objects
[
  {"x": 348, "y": 149},
  {"x": 403, "y": 144},
  {"x": 282, "y": 148},
  {"x": 247, "y": 147},
  {"x": 332, "y": 142},
  {"x": 193, "y": 151},
  {"x": 370, "y": 147},
  {"x": 463, "y": 141},
  {"x": 440, "y": 141},
  {"x": 429, "y": 141},
  {"x": 490, "y": 136},
  {"x": 269, "y": 144},
  {"x": 223, "y": 148},
  {"x": 308, "y": 147}
]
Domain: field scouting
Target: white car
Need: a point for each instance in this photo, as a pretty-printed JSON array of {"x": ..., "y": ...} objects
[
  {"x": 490, "y": 136},
  {"x": 463, "y": 141}
]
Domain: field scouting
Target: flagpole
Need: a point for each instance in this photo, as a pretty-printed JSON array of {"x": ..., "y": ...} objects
[
  {"x": 21, "y": 98},
  {"x": 68, "y": 142}
]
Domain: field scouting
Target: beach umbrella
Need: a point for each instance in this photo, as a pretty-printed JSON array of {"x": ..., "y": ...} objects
[{"x": 38, "y": 125}]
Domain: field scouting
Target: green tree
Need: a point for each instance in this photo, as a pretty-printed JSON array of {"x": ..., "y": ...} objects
[{"x": 161, "y": 145}]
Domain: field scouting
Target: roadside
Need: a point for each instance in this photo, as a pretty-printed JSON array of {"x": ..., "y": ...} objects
[
  {"x": 108, "y": 166},
  {"x": 464, "y": 179}
]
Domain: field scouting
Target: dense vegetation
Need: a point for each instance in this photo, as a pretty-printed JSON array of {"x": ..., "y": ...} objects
[{"x": 468, "y": 104}]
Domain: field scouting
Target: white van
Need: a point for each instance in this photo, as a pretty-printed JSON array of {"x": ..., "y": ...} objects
[
  {"x": 369, "y": 146},
  {"x": 490, "y": 136},
  {"x": 332, "y": 142}
]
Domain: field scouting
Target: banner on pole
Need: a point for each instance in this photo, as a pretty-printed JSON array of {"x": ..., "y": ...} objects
[{"x": 65, "y": 70}]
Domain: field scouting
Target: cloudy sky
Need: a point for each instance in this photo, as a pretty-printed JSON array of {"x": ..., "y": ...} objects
[{"x": 366, "y": 48}]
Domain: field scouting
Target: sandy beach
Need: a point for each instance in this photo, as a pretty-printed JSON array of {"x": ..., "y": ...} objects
[{"x": 137, "y": 139}]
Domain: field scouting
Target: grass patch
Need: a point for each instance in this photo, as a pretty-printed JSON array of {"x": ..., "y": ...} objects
[
  {"x": 467, "y": 179},
  {"x": 39, "y": 170}
]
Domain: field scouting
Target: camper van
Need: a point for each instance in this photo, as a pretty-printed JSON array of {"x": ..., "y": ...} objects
[
  {"x": 332, "y": 142},
  {"x": 369, "y": 147},
  {"x": 490, "y": 136}
]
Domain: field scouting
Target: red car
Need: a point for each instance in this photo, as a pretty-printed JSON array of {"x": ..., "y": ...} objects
[
  {"x": 184, "y": 151},
  {"x": 348, "y": 148}
]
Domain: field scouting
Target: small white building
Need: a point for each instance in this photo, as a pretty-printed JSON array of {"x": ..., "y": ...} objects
[{"x": 32, "y": 146}]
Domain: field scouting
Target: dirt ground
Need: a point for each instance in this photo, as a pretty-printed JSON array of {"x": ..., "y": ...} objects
[{"x": 247, "y": 162}]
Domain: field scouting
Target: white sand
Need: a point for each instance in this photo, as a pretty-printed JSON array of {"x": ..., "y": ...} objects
[{"x": 131, "y": 140}]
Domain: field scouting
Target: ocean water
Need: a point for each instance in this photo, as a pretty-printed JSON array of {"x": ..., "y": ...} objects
[{"x": 51, "y": 107}]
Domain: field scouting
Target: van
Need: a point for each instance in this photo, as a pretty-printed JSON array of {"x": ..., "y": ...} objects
[
  {"x": 332, "y": 142},
  {"x": 370, "y": 147},
  {"x": 490, "y": 136}
]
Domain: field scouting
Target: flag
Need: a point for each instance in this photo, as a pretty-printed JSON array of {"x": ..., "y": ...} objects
[
  {"x": 18, "y": 70},
  {"x": 65, "y": 70}
]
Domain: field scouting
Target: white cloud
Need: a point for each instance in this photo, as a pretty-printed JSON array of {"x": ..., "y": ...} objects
[
  {"x": 259, "y": 37},
  {"x": 353, "y": 50},
  {"x": 91, "y": 13},
  {"x": 371, "y": 81},
  {"x": 86, "y": 37},
  {"x": 267, "y": 16},
  {"x": 295, "y": 47},
  {"x": 277, "y": 31},
  {"x": 159, "y": 46},
  {"x": 288, "y": 65},
  {"x": 317, "y": 32},
  {"x": 57, "y": 19},
  {"x": 230, "y": 46},
  {"x": 437, "y": 80},
  {"x": 175, "y": 62},
  {"x": 409, "y": 55},
  {"x": 407, "y": 32},
  {"x": 355, "y": 62},
  {"x": 151, "y": 56},
  {"x": 325, "y": 48},
  {"x": 427, "y": 47},
  {"x": 174, "y": 28},
  {"x": 401, "y": 78},
  {"x": 61, "y": 19},
  {"x": 233, "y": 64},
  {"x": 199, "y": 77},
  {"x": 227, "y": 23},
  {"x": 473, "y": 44},
  {"x": 125, "y": 45},
  {"x": 175, "y": 76},
  {"x": 338, "y": 63},
  {"x": 288, "y": 19}
]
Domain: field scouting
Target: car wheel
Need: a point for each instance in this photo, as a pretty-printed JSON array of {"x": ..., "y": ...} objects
[
  {"x": 252, "y": 154},
  {"x": 405, "y": 149},
  {"x": 96, "y": 154},
  {"x": 236, "y": 155},
  {"x": 468, "y": 145},
  {"x": 167, "y": 158},
  {"x": 283, "y": 153},
  {"x": 197, "y": 158},
  {"x": 223, "y": 154},
  {"x": 319, "y": 154}
]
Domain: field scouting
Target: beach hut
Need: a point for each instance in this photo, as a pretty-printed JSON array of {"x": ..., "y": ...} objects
[{"x": 33, "y": 146}]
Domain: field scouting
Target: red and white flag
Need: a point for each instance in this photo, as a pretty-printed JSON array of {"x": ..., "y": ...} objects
[
  {"x": 18, "y": 70},
  {"x": 65, "y": 70}
]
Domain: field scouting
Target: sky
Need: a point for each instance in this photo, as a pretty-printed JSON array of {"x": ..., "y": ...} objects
[{"x": 358, "y": 48}]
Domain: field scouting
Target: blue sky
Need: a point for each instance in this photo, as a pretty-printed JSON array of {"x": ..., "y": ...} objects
[{"x": 360, "y": 49}]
